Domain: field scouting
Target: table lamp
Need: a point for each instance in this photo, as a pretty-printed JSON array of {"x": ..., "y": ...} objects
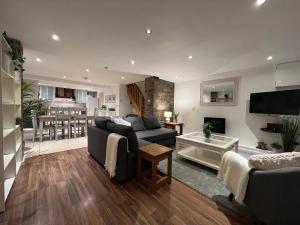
[{"x": 168, "y": 115}]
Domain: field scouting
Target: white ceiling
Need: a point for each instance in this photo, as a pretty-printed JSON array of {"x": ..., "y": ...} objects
[{"x": 221, "y": 36}]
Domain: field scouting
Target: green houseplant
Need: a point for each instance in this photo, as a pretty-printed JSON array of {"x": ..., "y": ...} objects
[
  {"x": 30, "y": 106},
  {"x": 176, "y": 116},
  {"x": 207, "y": 127},
  {"x": 290, "y": 132}
]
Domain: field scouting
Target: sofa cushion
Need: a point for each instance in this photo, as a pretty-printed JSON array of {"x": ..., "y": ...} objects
[
  {"x": 119, "y": 120},
  {"x": 274, "y": 161},
  {"x": 137, "y": 123},
  {"x": 151, "y": 122},
  {"x": 142, "y": 142},
  {"x": 155, "y": 135},
  {"x": 101, "y": 121},
  {"x": 125, "y": 131}
]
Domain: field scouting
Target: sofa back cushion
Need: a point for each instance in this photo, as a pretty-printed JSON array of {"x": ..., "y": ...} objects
[
  {"x": 101, "y": 121},
  {"x": 125, "y": 131},
  {"x": 151, "y": 122},
  {"x": 274, "y": 161},
  {"x": 137, "y": 123}
]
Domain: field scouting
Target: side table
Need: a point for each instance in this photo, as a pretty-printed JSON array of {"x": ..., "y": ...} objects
[{"x": 154, "y": 153}]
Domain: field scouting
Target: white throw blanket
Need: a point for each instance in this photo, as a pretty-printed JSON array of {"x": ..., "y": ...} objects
[
  {"x": 111, "y": 153},
  {"x": 234, "y": 172}
]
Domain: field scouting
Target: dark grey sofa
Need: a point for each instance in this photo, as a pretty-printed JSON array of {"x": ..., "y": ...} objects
[
  {"x": 273, "y": 196},
  {"x": 127, "y": 156}
]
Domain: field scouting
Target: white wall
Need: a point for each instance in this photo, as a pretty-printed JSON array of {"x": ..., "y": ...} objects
[
  {"x": 239, "y": 122},
  {"x": 124, "y": 107}
]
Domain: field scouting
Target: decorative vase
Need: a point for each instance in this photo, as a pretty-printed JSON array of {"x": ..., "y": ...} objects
[
  {"x": 175, "y": 120},
  {"x": 207, "y": 134}
]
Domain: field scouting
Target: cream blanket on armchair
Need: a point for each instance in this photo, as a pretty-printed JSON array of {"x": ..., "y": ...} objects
[
  {"x": 234, "y": 173},
  {"x": 112, "y": 153}
]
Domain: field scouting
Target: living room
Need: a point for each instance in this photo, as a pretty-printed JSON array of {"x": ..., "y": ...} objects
[{"x": 176, "y": 112}]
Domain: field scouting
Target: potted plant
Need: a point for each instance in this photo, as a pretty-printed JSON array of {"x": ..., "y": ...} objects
[
  {"x": 207, "y": 127},
  {"x": 290, "y": 132},
  {"x": 175, "y": 117},
  {"x": 276, "y": 147}
]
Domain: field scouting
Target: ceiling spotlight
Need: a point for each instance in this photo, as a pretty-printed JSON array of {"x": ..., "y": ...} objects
[
  {"x": 106, "y": 67},
  {"x": 65, "y": 77},
  {"x": 132, "y": 62},
  {"x": 122, "y": 78},
  {"x": 259, "y": 2},
  {"x": 270, "y": 58},
  {"x": 190, "y": 57},
  {"x": 55, "y": 37},
  {"x": 176, "y": 77},
  {"x": 38, "y": 60},
  {"x": 87, "y": 70},
  {"x": 148, "y": 31},
  {"x": 213, "y": 87}
]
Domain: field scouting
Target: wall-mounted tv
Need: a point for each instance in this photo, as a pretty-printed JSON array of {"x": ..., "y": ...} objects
[
  {"x": 276, "y": 102},
  {"x": 217, "y": 123}
]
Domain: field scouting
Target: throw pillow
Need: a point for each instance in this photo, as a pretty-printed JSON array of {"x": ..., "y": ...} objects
[
  {"x": 119, "y": 120},
  {"x": 124, "y": 131},
  {"x": 274, "y": 161},
  {"x": 137, "y": 123},
  {"x": 101, "y": 121},
  {"x": 151, "y": 122}
]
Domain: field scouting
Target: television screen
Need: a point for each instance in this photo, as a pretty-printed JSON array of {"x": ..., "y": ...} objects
[
  {"x": 217, "y": 123},
  {"x": 276, "y": 102}
]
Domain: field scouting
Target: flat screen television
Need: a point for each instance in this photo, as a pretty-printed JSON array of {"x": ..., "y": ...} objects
[
  {"x": 276, "y": 102},
  {"x": 217, "y": 123}
]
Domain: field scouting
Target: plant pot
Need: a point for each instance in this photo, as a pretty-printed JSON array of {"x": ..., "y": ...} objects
[
  {"x": 207, "y": 135},
  {"x": 7, "y": 63}
]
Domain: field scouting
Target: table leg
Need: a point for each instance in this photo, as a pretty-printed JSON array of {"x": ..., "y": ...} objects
[
  {"x": 181, "y": 129},
  {"x": 139, "y": 172},
  {"x": 169, "y": 173},
  {"x": 41, "y": 130},
  {"x": 154, "y": 176}
]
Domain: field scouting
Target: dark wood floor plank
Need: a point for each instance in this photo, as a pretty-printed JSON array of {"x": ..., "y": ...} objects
[{"x": 71, "y": 188}]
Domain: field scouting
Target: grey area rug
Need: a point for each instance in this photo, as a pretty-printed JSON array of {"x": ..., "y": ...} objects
[{"x": 203, "y": 180}]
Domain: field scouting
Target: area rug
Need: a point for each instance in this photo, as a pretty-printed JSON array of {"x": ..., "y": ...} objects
[
  {"x": 203, "y": 180},
  {"x": 46, "y": 147}
]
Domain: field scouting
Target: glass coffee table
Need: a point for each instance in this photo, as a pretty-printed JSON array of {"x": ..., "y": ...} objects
[{"x": 207, "y": 152}]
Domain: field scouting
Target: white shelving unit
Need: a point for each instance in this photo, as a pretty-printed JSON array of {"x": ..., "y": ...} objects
[{"x": 10, "y": 133}]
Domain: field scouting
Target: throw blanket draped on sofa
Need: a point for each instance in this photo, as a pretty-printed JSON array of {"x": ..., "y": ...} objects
[
  {"x": 234, "y": 172},
  {"x": 111, "y": 153}
]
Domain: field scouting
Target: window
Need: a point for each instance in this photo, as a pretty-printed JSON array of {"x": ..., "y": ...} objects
[{"x": 46, "y": 92}]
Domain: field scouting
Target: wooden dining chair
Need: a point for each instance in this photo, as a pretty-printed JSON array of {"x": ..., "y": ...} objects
[
  {"x": 79, "y": 120},
  {"x": 36, "y": 130},
  {"x": 62, "y": 121}
]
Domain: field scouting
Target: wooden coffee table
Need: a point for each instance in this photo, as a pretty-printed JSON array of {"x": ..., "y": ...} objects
[{"x": 154, "y": 153}]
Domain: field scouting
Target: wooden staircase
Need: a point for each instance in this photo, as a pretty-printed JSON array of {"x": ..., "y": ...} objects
[{"x": 136, "y": 98}]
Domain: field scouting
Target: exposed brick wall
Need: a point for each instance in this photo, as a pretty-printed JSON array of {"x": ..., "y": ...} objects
[{"x": 159, "y": 97}]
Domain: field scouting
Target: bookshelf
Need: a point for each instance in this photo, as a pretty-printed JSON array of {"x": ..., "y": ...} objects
[{"x": 10, "y": 134}]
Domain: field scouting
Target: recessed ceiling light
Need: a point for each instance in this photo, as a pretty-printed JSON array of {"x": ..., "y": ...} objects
[
  {"x": 259, "y": 2},
  {"x": 176, "y": 77},
  {"x": 213, "y": 87},
  {"x": 190, "y": 57},
  {"x": 87, "y": 70},
  {"x": 55, "y": 37},
  {"x": 269, "y": 58},
  {"x": 122, "y": 78},
  {"x": 148, "y": 31},
  {"x": 38, "y": 60},
  {"x": 132, "y": 62},
  {"x": 106, "y": 67},
  {"x": 65, "y": 77}
]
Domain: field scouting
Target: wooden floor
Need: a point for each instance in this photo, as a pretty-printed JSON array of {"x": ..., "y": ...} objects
[{"x": 71, "y": 188}]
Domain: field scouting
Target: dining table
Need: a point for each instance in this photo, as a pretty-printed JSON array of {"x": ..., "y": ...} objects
[{"x": 51, "y": 118}]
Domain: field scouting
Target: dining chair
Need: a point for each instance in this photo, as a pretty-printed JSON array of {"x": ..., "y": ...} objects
[
  {"x": 36, "y": 130},
  {"x": 62, "y": 122},
  {"x": 79, "y": 120}
]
